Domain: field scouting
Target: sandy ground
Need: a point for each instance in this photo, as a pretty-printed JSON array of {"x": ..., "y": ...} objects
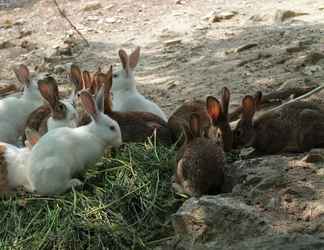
[{"x": 200, "y": 59}]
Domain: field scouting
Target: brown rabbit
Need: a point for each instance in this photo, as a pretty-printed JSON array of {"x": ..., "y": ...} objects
[
  {"x": 135, "y": 126},
  {"x": 296, "y": 127},
  {"x": 56, "y": 113},
  {"x": 182, "y": 115},
  {"x": 200, "y": 166}
]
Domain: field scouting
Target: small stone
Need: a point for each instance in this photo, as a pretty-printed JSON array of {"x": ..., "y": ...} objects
[
  {"x": 7, "y": 24},
  {"x": 214, "y": 17},
  {"x": 295, "y": 47},
  {"x": 24, "y": 33},
  {"x": 92, "y": 6},
  {"x": 59, "y": 69},
  {"x": 92, "y": 18},
  {"x": 246, "y": 47},
  {"x": 28, "y": 45},
  {"x": 67, "y": 51},
  {"x": 111, "y": 20},
  {"x": 311, "y": 70},
  {"x": 313, "y": 57},
  {"x": 6, "y": 45},
  {"x": 172, "y": 42},
  {"x": 259, "y": 18},
  {"x": 283, "y": 15},
  {"x": 179, "y": 2}
]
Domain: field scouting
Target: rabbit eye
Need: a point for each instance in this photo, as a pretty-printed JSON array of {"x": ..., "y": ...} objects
[
  {"x": 238, "y": 133},
  {"x": 115, "y": 75},
  {"x": 112, "y": 128},
  {"x": 61, "y": 106}
]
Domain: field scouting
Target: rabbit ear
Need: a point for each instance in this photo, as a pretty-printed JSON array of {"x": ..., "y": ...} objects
[
  {"x": 214, "y": 108},
  {"x": 248, "y": 105},
  {"x": 195, "y": 125},
  {"x": 124, "y": 60},
  {"x": 23, "y": 75},
  {"x": 49, "y": 90},
  {"x": 89, "y": 104},
  {"x": 225, "y": 99},
  {"x": 108, "y": 93},
  {"x": 101, "y": 95},
  {"x": 258, "y": 99},
  {"x": 94, "y": 83},
  {"x": 134, "y": 57},
  {"x": 86, "y": 77},
  {"x": 75, "y": 77},
  {"x": 32, "y": 137}
]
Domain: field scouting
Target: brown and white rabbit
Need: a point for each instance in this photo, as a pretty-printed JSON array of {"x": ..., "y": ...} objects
[
  {"x": 201, "y": 160},
  {"x": 125, "y": 95},
  {"x": 296, "y": 127},
  {"x": 135, "y": 126},
  {"x": 61, "y": 154},
  {"x": 14, "y": 111},
  {"x": 56, "y": 113},
  {"x": 13, "y": 161},
  {"x": 182, "y": 115}
]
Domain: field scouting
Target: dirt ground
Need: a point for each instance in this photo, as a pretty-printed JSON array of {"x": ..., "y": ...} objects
[
  {"x": 183, "y": 55},
  {"x": 189, "y": 48}
]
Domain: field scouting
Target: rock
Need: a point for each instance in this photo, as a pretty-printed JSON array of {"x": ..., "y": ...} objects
[
  {"x": 313, "y": 57},
  {"x": 7, "y": 24},
  {"x": 295, "y": 47},
  {"x": 92, "y": 6},
  {"x": 24, "y": 33},
  {"x": 260, "y": 17},
  {"x": 172, "y": 42},
  {"x": 110, "y": 19},
  {"x": 314, "y": 156},
  {"x": 283, "y": 15},
  {"x": 6, "y": 45},
  {"x": 214, "y": 17},
  {"x": 92, "y": 18},
  {"x": 59, "y": 69},
  {"x": 28, "y": 45},
  {"x": 180, "y": 2},
  {"x": 215, "y": 217},
  {"x": 311, "y": 70}
]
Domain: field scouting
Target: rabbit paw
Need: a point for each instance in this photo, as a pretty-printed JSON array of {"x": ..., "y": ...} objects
[{"x": 75, "y": 183}]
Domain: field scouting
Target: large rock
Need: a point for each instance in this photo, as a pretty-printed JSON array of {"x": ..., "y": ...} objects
[{"x": 218, "y": 217}]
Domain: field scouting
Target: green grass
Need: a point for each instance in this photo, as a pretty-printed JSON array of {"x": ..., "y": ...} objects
[{"x": 126, "y": 203}]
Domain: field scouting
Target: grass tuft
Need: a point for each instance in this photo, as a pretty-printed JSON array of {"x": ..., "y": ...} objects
[{"x": 126, "y": 203}]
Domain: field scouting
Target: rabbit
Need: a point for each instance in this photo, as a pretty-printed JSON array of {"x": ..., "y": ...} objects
[
  {"x": 14, "y": 111},
  {"x": 201, "y": 160},
  {"x": 296, "y": 127},
  {"x": 12, "y": 162},
  {"x": 135, "y": 126},
  {"x": 182, "y": 115},
  {"x": 125, "y": 95},
  {"x": 56, "y": 113},
  {"x": 63, "y": 153}
]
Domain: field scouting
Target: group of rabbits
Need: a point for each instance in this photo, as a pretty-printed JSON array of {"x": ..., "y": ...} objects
[{"x": 61, "y": 140}]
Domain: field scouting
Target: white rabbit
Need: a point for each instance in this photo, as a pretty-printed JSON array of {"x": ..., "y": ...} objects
[
  {"x": 15, "y": 111},
  {"x": 56, "y": 113},
  {"x": 13, "y": 163},
  {"x": 125, "y": 95},
  {"x": 64, "y": 152}
]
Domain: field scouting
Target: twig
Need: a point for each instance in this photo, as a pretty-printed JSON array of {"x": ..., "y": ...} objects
[
  {"x": 69, "y": 21},
  {"x": 319, "y": 88},
  {"x": 273, "y": 98}
]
